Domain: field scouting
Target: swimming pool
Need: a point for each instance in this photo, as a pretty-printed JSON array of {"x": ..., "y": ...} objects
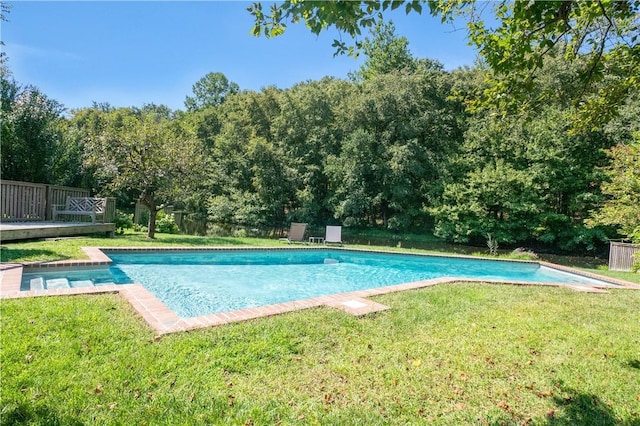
[{"x": 202, "y": 282}]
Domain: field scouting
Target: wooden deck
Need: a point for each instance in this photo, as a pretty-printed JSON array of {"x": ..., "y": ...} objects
[{"x": 12, "y": 231}]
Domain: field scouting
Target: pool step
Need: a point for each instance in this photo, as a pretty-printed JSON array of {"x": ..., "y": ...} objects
[
  {"x": 36, "y": 283},
  {"x": 41, "y": 283},
  {"x": 81, "y": 283},
  {"x": 57, "y": 283}
]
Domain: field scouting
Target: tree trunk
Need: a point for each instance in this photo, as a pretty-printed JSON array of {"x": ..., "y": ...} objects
[
  {"x": 148, "y": 200},
  {"x": 151, "y": 227}
]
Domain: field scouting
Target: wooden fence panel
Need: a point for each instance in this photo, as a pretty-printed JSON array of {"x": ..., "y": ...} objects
[
  {"x": 621, "y": 256},
  {"x": 23, "y": 201},
  {"x": 110, "y": 210},
  {"x": 139, "y": 213}
]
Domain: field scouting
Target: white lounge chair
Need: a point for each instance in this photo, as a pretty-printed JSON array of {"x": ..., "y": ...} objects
[
  {"x": 296, "y": 233},
  {"x": 333, "y": 235}
]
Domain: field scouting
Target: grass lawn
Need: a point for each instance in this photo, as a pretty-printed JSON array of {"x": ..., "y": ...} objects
[
  {"x": 70, "y": 248},
  {"x": 451, "y": 354},
  {"x": 455, "y": 354}
]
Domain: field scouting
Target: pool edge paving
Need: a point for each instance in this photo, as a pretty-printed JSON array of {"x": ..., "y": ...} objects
[{"x": 164, "y": 321}]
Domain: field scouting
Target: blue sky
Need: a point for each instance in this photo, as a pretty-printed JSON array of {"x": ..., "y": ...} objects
[{"x": 132, "y": 53}]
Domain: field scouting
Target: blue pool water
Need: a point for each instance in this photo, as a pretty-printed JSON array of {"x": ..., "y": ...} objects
[{"x": 194, "y": 283}]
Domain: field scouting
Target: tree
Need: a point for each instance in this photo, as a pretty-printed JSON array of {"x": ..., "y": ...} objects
[
  {"x": 621, "y": 207},
  {"x": 308, "y": 133},
  {"x": 398, "y": 130},
  {"x": 492, "y": 200},
  {"x": 385, "y": 53},
  {"x": 210, "y": 91},
  {"x": 145, "y": 153},
  {"x": 67, "y": 166},
  {"x": 4, "y": 10},
  {"x": 605, "y": 32},
  {"x": 356, "y": 178},
  {"x": 621, "y": 189},
  {"x": 30, "y": 131},
  {"x": 524, "y": 179},
  {"x": 250, "y": 180}
]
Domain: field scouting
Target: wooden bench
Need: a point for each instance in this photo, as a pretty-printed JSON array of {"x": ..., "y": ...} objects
[{"x": 83, "y": 206}]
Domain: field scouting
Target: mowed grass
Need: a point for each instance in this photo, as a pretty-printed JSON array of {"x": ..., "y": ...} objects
[
  {"x": 451, "y": 354},
  {"x": 71, "y": 248}
]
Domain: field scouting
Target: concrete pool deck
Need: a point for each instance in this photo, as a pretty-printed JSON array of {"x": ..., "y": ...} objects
[{"x": 163, "y": 320}]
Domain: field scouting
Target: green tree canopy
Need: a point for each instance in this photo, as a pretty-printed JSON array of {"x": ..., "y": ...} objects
[
  {"x": 385, "y": 53},
  {"x": 210, "y": 91},
  {"x": 4, "y": 10},
  {"x": 606, "y": 32},
  {"x": 524, "y": 179},
  {"x": 31, "y": 133},
  {"x": 398, "y": 131},
  {"x": 145, "y": 153},
  {"x": 621, "y": 207}
]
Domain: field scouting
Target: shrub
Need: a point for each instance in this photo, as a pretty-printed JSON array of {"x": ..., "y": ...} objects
[
  {"x": 240, "y": 233},
  {"x": 166, "y": 224},
  {"x": 493, "y": 245},
  {"x": 218, "y": 230},
  {"x": 139, "y": 228},
  {"x": 523, "y": 254},
  {"x": 123, "y": 221}
]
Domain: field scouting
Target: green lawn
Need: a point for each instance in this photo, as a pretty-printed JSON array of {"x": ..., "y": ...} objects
[
  {"x": 451, "y": 354},
  {"x": 70, "y": 248},
  {"x": 454, "y": 354}
]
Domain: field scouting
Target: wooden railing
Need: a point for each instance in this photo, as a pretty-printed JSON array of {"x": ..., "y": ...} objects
[
  {"x": 33, "y": 202},
  {"x": 621, "y": 256}
]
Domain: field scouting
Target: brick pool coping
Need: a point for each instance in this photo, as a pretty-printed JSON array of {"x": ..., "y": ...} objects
[{"x": 163, "y": 320}]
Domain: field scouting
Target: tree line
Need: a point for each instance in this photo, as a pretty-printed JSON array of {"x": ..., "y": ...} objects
[{"x": 402, "y": 145}]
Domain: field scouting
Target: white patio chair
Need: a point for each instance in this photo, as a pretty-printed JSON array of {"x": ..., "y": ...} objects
[{"x": 333, "y": 235}]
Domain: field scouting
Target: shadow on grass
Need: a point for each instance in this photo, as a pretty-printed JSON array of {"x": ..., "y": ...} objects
[
  {"x": 182, "y": 240},
  {"x": 634, "y": 363},
  {"x": 10, "y": 255},
  {"x": 26, "y": 414},
  {"x": 580, "y": 409},
  {"x": 227, "y": 241},
  {"x": 431, "y": 245},
  {"x": 588, "y": 262}
]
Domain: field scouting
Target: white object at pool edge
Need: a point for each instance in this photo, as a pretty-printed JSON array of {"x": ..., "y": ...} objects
[{"x": 354, "y": 304}]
